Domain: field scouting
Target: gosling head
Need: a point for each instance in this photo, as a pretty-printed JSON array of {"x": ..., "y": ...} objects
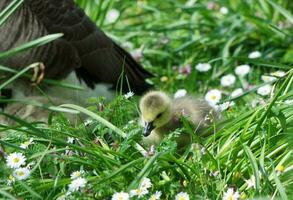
[{"x": 155, "y": 107}]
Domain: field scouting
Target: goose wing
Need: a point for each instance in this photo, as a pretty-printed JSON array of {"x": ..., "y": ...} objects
[{"x": 101, "y": 59}]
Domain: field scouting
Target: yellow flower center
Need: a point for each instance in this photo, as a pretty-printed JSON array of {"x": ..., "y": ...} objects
[
  {"x": 76, "y": 174},
  {"x": 230, "y": 197},
  {"x": 213, "y": 97},
  {"x": 164, "y": 78},
  {"x": 20, "y": 173},
  {"x": 280, "y": 168},
  {"x": 15, "y": 160}
]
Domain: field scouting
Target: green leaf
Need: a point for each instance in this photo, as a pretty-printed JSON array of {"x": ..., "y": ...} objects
[
  {"x": 33, "y": 44},
  {"x": 282, "y": 10}
]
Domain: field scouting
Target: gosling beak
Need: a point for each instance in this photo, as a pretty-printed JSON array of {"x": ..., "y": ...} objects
[{"x": 149, "y": 126}]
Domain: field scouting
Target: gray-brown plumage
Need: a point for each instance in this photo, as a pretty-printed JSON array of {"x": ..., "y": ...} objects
[
  {"x": 161, "y": 115},
  {"x": 84, "y": 48}
]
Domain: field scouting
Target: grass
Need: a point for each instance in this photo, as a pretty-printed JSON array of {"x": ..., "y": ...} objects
[{"x": 249, "y": 141}]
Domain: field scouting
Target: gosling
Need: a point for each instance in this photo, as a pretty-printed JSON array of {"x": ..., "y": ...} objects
[{"x": 160, "y": 115}]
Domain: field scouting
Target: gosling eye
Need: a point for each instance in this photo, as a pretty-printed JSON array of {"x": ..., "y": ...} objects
[{"x": 159, "y": 115}]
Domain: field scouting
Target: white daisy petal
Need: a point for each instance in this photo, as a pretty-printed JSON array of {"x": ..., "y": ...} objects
[
  {"x": 266, "y": 78},
  {"x": 182, "y": 196},
  {"x": 224, "y": 10},
  {"x": 213, "y": 96},
  {"x": 237, "y": 92},
  {"x": 255, "y": 54},
  {"x": 250, "y": 182},
  {"x": 231, "y": 195},
  {"x": 77, "y": 184},
  {"x": 139, "y": 192},
  {"x": 264, "y": 90},
  {"x": 26, "y": 144},
  {"x": 228, "y": 80},
  {"x": 146, "y": 183},
  {"x": 278, "y": 73},
  {"x": 226, "y": 105},
  {"x": 180, "y": 93},
  {"x": 21, "y": 173},
  {"x": 156, "y": 196},
  {"x": 76, "y": 174},
  {"x": 120, "y": 196},
  {"x": 112, "y": 16},
  {"x": 15, "y": 160},
  {"x": 70, "y": 140},
  {"x": 203, "y": 67},
  {"x": 128, "y": 95},
  {"x": 242, "y": 70}
]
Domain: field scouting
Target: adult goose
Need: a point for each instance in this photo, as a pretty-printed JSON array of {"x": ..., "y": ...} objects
[{"x": 84, "y": 48}]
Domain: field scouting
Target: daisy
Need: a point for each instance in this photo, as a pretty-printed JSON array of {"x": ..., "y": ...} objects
[
  {"x": 11, "y": 180},
  {"x": 226, "y": 105},
  {"x": 212, "y": 6},
  {"x": 70, "y": 140},
  {"x": 278, "y": 73},
  {"x": 76, "y": 174},
  {"x": 256, "y": 102},
  {"x": 112, "y": 16},
  {"x": 185, "y": 69},
  {"x": 180, "y": 93},
  {"x": 215, "y": 173},
  {"x": 203, "y": 151},
  {"x": 224, "y": 10},
  {"x": 242, "y": 70},
  {"x": 164, "y": 79},
  {"x": 21, "y": 173},
  {"x": 228, "y": 80},
  {"x": 15, "y": 160},
  {"x": 120, "y": 196},
  {"x": 237, "y": 92},
  {"x": 203, "y": 67},
  {"x": 77, "y": 184},
  {"x": 26, "y": 144},
  {"x": 156, "y": 196},
  {"x": 264, "y": 90},
  {"x": 231, "y": 195},
  {"x": 250, "y": 182},
  {"x": 128, "y": 95},
  {"x": 266, "y": 78},
  {"x": 213, "y": 96},
  {"x": 182, "y": 196},
  {"x": 146, "y": 183},
  {"x": 139, "y": 192},
  {"x": 255, "y": 54},
  {"x": 151, "y": 151}
]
